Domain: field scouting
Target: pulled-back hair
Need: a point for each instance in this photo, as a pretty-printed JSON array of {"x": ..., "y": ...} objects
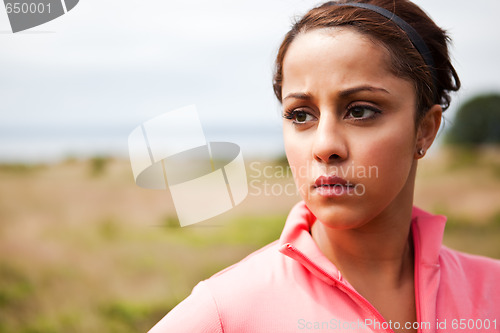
[{"x": 406, "y": 61}]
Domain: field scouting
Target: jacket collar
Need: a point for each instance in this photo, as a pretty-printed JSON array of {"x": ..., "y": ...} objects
[
  {"x": 297, "y": 243},
  {"x": 427, "y": 230}
]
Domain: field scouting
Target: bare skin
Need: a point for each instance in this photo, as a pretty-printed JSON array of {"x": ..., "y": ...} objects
[{"x": 344, "y": 109}]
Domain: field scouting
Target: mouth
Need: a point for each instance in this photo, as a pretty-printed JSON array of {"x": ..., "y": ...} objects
[
  {"x": 332, "y": 186},
  {"x": 330, "y": 181}
]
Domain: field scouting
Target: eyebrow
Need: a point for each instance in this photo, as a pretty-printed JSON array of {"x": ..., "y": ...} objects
[
  {"x": 344, "y": 93},
  {"x": 303, "y": 96},
  {"x": 354, "y": 90}
]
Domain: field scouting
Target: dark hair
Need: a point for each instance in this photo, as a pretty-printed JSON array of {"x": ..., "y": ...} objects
[{"x": 406, "y": 61}]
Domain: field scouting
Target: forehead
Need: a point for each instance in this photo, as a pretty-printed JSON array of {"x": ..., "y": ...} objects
[{"x": 340, "y": 56}]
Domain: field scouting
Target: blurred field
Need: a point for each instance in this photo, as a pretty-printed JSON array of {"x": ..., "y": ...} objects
[{"x": 83, "y": 249}]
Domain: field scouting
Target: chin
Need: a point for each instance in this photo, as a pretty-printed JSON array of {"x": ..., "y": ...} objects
[{"x": 337, "y": 215}]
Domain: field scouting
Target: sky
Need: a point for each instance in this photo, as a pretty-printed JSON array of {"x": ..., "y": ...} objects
[{"x": 78, "y": 85}]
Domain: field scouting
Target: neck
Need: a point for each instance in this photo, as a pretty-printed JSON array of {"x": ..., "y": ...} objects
[
  {"x": 381, "y": 250},
  {"x": 358, "y": 253}
]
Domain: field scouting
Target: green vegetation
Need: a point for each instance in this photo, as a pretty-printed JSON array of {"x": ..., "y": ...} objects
[
  {"x": 21, "y": 168},
  {"x": 98, "y": 165},
  {"x": 477, "y": 122}
]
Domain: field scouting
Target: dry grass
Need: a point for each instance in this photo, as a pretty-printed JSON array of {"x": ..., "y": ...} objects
[
  {"x": 83, "y": 249},
  {"x": 463, "y": 184}
]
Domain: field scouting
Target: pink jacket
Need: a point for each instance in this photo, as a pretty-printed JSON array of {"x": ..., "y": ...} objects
[{"x": 290, "y": 286}]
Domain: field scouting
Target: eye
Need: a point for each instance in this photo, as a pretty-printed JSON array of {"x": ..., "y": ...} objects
[
  {"x": 299, "y": 116},
  {"x": 361, "y": 112}
]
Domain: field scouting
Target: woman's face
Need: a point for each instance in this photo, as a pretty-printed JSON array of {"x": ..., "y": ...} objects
[{"x": 349, "y": 127}]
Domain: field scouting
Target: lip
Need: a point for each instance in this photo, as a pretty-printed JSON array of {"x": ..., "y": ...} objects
[{"x": 332, "y": 186}]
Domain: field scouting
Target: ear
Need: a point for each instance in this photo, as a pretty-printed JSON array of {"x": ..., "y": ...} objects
[{"x": 427, "y": 130}]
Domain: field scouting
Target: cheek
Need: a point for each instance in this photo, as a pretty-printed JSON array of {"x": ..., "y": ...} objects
[
  {"x": 390, "y": 156},
  {"x": 298, "y": 153}
]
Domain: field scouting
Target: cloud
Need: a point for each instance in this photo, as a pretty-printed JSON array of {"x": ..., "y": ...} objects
[{"x": 110, "y": 63}]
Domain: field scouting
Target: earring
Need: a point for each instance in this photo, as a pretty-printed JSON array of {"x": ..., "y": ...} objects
[{"x": 421, "y": 152}]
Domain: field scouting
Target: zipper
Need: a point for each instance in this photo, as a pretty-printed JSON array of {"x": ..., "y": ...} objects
[
  {"x": 416, "y": 267},
  {"x": 364, "y": 303}
]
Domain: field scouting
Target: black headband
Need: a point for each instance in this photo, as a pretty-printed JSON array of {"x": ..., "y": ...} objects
[{"x": 415, "y": 38}]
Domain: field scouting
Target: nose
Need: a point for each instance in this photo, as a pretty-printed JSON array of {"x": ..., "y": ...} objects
[{"x": 330, "y": 144}]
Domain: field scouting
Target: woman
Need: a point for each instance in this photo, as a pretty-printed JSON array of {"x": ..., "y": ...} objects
[{"x": 363, "y": 88}]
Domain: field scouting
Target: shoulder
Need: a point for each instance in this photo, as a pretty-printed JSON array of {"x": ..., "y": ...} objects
[
  {"x": 256, "y": 268},
  {"x": 474, "y": 266},
  {"x": 468, "y": 286},
  {"x": 216, "y": 303},
  {"x": 196, "y": 314},
  {"x": 266, "y": 274},
  {"x": 471, "y": 277}
]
